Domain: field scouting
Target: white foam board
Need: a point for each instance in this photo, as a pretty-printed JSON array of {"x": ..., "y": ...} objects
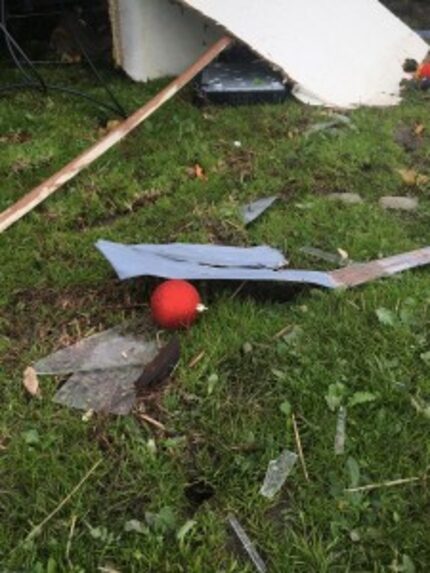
[
  {"x": 340, "y": 53},
  {"x": 157, "y": 38}
]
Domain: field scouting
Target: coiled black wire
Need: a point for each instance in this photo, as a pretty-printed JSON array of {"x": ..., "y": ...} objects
[{"x": 36, "y": 81}]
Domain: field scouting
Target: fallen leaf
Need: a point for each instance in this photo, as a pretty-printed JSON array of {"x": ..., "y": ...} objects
[
  {"x": 335, "y": 395},
  {"x": 343, "y": 254},
  {"x": 419, "y": 129},
  {"x": 110, "y": 126},
  {"x": 31, "y": 437},
  {"x": 386, "y": 317},
  {"x": 199, "y": 172},
  {"x": 422, "y": 180},
  {"x": 412, "y": 178},
  {"x": 31, "y": 382},
  {"x": 160, "y": 368},
  {"x": 361, "y": 398},
  {"x": 409, "y": 176},
  {"x": 196, "y": 172}
]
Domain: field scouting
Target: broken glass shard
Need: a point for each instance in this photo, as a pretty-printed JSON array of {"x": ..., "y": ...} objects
[
  {"x": 277, "y": 473},
  {"x": 109, "y": 349},
  {"x": 321, "y": 255},
  {"x": 247, "y": 544},
  {"x": 252, "y": 211},
  {"x": 104, "y": 368},
  {"x": 339, "y": 441}
]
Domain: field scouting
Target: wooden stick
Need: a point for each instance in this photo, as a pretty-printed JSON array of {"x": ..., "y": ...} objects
[
  {"x": 48, "y": 187},
  {"x": 373, "y": 486},
  {"x": 152, "y": 421},
  {"x": 197, "y": 359},
  {"x": 238, "y": 290},
  {"x": 38, "y": 528},
  {"x": 299, "y": 447},
  {"x": 281, "y": 333},
  {"x": 69, "y": 540}
]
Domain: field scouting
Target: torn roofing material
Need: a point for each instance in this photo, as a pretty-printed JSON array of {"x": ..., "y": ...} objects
[
  {"x": 339, "y": 53},
  {"x": 211, "y": 262},
  {"x": 206, "y": 262}
]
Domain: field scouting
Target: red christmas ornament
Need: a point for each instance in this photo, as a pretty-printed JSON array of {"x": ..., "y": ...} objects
[
  {"x": 175, "y": 304},
  {"x": 424, "y": 71}
]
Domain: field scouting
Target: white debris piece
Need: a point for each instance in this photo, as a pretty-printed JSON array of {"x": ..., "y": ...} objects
[{"x": 339, "y": 53}]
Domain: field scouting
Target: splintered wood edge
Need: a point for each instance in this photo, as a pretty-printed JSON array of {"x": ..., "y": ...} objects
[{"x": 355, "y": 275}]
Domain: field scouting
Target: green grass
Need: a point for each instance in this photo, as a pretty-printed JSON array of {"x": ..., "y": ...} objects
[{"x": 226, "y": 417}]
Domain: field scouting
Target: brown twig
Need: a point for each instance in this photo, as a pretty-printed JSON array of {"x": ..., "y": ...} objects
[
  {"x": 38, "y": 528},
  {"x": 197, "y": 359},
  {"x": 299, "y": 447},
  {"x": 69, "y": 540},
  {"x": 281, "y": 333},
  {"x": 393, "y": 483},
  {"x": 152, "y": 421},
  {"x": 237, "y": 291}
]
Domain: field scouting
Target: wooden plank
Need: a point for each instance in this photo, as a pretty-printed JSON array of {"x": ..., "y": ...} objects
[
  {"x": 359, "y": 274},
  {"x": 48, "y": 187}
]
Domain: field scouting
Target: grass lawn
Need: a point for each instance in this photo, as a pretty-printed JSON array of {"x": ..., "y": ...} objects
[{"x": 227, "y": 417}]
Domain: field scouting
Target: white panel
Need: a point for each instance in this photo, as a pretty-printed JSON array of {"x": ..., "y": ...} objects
[
  {"x": 160, "y": 37},
  {"x": 341, "y": 53}
]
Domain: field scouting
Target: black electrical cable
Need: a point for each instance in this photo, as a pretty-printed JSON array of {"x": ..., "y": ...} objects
[
  {"x": 60, "y": 89},
  {"x": 99, "y": 77},
  {"x": 40, "y": 84},
  {"x": 11, "y": 44}
]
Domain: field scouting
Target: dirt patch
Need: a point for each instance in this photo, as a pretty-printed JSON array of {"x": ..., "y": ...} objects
[
  {"x": 198, "y": 492},
  {"x": 65, "y": 316},
  {"x": 117, "y": 212}
]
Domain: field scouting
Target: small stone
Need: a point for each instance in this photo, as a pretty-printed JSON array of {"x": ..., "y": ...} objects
[
  {"x": 399, "y": 203},
  {"x": 247, "y": 348},
  {"x": 349, "y": 198}
]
